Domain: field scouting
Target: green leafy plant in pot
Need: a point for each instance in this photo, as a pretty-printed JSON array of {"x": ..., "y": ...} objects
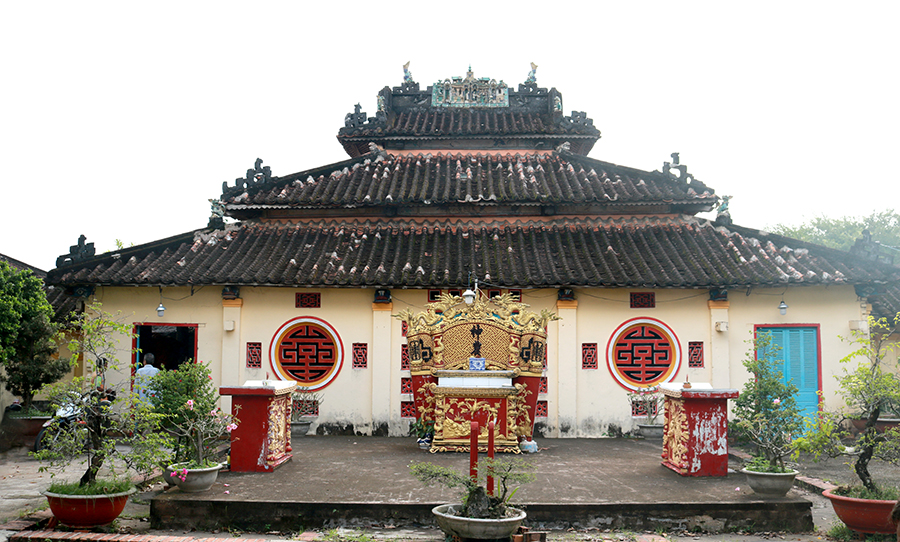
[
  {"x": 869, "y": 388},
  {"x": 648, "y": 402},
  {"x": 106, "y": 427},
  {"x": 766, "y": 414}
]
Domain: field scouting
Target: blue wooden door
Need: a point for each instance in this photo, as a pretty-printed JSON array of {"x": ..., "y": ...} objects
[{"x": 799, "y": 356}]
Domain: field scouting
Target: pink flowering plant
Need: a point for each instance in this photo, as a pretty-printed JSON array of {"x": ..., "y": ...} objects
[
  {"x": 188, "y": 398},
  {"x": 766, "y": 412}
]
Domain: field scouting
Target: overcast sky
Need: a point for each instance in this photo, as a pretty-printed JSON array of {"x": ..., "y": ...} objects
[{"x": 121, "y": 119}]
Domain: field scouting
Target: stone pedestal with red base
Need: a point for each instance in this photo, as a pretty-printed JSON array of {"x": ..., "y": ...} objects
[
  {"x": 262, "y": 440},
  {"x": 695, "y": 441}
]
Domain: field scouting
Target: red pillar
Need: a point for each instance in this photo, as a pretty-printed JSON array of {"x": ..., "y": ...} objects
[{"x": 473, "y": 450}]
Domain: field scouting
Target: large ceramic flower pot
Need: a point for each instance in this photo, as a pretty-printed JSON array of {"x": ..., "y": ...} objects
[
  {"x": 473, "y": 528},
  {"x": 194, "y": 480},
  {"x": 770, "y": 483},
  {"x": 300, "y": 428},
  {"x": 652, "y": 431},
  {"x": 84, "y": 511},
  {"x": 863, "y": 515}
]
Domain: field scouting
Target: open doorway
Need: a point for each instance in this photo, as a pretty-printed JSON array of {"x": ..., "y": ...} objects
[{"x": 171, "y": 344}]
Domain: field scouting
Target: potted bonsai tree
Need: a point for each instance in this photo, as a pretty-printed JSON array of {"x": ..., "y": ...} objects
[
  {"x": 766, "y": 414},
  {"x": 480, "y": 515},
  {"x": 113, "y": 431},
  {"x": 869, "y": 388},
  {"x": 304, "y": 410},
  {"x": 187, "y": 398},
  {"x": 648, "y": 402}
]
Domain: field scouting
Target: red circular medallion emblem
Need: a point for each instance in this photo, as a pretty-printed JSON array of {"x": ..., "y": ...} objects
[
  {"x": 643, "y": 352},
  {"x": 308, "y": 350}
]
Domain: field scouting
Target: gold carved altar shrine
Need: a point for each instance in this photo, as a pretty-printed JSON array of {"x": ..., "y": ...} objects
[{"x": 480, "y": 362}]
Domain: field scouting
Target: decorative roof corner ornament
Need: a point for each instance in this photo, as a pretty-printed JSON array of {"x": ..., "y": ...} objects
[
  {"x": 580, "y": 118},
  {"x": 257, "y": 175},
  {"x": 565, "y": 146},
  {"x": 557, "y": 104},
  {"x": 407, "y": 75},
  {"x": 380, "y": 104},
  {"x": 682, "y": 175},
  {"x": 79, "y": 252},
  {"x": 532, "y": 75},
  {"x": 217, "y": 214},
  {"x": 355, "y": 119},
  {"x": 470, "y": 92},
  {"x": 723, "y": 215},
  {"x": 377, "y": 149}
]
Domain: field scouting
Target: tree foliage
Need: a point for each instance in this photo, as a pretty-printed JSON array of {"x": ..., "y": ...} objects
[
  {"x": 766, "y": 411},
  {"x": 27, "y": 336},
  {"x": 841, "y": 233}
]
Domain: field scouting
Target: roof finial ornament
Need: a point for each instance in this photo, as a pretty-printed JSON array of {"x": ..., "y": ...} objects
[
  {"x": 683, "y": 174},
  {"x": 723, "y": 215},
  {"x": 565, "y": 146},
  {"x": 532, "y": 78},
  {"x": 77, "y": 253},
  {"x": 407, "y": 75}
]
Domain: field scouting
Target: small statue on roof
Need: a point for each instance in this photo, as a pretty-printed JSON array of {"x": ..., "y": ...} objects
[
  {"x": 532, "y": 77},
  {"x": 407, "y": 75},
  {"x": 723, "y": 215}
]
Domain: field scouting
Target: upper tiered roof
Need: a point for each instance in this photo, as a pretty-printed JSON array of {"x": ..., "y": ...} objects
[{"x": 465, "y": 113}]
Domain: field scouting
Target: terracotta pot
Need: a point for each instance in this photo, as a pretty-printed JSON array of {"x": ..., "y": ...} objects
[
  {"x": 195, "y": 480},
  {"x": 863, "y": 515},
  {"x": 652, "y": 431},
  {"x": 473, "y": 528},
  {"x": 881, "y": 425},
  {"x": 83, "y": 511},
  {"x": 770, "y": 483}
]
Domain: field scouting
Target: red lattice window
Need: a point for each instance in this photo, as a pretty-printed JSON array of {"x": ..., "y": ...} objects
[
  {"x": 254, "y": 355},
  {"x": 457, "y": 293},
  {"x": 643, "y": 352},
  {"x": 544, "y": 386},
  {"x": 589, "y": 356},
  {"x": 406, "y": 385},
  {"x": 407, "y": 409},
  {"x": 307, "y": 408},
  {"x": 545, "y": 358},
  {"x": 404, "y": 357},
  {"x": 308, "y": 300},
  {"x": 695, "y": 354},
  {"x": 543, "y": 410},
  {"x": 434, "y": 295},
  {"x": 308, "y": 350},
  {"x": 643, "y": 300},
  {"x": 639, "y": 411},
  {"x": 360, "y": 355},
  {"x": 516, "y": 294},
  {"x": 404, "y": 327}
]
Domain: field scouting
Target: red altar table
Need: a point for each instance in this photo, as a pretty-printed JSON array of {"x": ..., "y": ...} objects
[
  {"x": 695, "y": 441},
  {"x": 262, "y": 440}
]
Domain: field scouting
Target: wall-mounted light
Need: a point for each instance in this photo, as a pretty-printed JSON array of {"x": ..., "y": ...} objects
[
  {"x": 160, "y": 310},
  {"x": 469, "y": 295},
  {"x": 782, "y": 307}
]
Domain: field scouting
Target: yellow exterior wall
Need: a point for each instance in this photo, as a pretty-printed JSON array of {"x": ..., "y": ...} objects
[{"x": 582, "y": 403}]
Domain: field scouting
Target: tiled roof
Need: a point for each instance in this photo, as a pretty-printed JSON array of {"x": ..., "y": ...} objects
[
  {"x": 668, "y": 252},
  {"x": 556, "y": 178}
]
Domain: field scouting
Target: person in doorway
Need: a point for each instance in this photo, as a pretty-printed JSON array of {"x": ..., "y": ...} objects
[{"x": 144, "y": 375}]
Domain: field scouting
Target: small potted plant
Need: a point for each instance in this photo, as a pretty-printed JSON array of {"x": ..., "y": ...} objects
[
  {"x": 198, "y": 425},
  {"x": 766, "y": 414},
  {"x": 111, "y": 430},
  {"x": 423, "y": 430},
  {"x": 869, "y": 388},
  {"x": 304, "y": 410},
  {"x": 480, "y": 515},
  {"x": 648, "y": 402}
]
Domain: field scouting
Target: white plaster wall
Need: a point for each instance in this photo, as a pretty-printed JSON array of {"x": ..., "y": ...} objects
[{"x": 584, "y": 401}]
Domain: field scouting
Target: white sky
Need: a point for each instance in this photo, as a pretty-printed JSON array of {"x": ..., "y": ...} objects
[{"x": 119, "y": 120}]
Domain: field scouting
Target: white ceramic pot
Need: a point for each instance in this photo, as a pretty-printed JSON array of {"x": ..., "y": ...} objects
[
  {"x": 652, "y": 431},
  {"x": 195, "y": 480},
  {"x": 475, "y": 528},
  {"x": 770, "y": 483}
]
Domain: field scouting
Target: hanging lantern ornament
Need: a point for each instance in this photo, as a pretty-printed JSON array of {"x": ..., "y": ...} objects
[{"x": 782, "y": 307}]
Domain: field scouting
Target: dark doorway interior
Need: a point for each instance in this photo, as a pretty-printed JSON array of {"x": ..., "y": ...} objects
[{"x": 172, "y": 344}]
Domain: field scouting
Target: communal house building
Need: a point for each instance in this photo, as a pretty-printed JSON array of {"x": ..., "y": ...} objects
[{"x": 298, "y": 276}]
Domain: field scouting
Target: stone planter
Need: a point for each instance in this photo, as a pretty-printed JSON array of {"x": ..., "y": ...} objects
[
  {"x": 195, "y": 480},
  {"x": 652, "y": 431},
  {"x": 86, "y": 511},
  {"x": 22, "y": 431},
  {"x": 863, "y": 515},
  {"x": 300, "y": 428},
  {"x": 770, "y": 483},
  {"x": 473, "y": 528}
]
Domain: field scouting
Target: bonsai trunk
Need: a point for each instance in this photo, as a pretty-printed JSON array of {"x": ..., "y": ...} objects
[
  {"x": 868, "y": 451},
  {"x": 95, "y": 428}
]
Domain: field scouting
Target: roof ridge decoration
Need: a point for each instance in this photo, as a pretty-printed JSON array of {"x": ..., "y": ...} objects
[
  {"x": 77, "y": 253},
  {"x": 255, "y": 176},
  {"x": 470, "y": 92}
]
